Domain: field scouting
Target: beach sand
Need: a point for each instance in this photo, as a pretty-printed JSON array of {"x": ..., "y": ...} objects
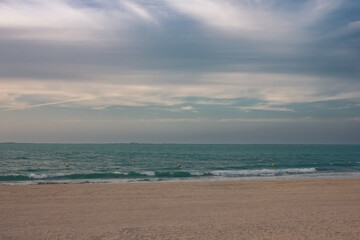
[{"x": 277, "y": 209}]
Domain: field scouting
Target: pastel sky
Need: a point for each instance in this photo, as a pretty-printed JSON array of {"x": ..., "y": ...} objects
[{"x": 180, "y": 71}]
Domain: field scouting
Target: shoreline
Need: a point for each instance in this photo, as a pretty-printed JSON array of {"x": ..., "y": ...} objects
[
  {"x": 318, "y": 175},
  {"x": 258, "y": 209}
]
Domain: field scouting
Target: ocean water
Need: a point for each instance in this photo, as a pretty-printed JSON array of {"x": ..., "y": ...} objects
[{"x": 120, "y": 163}]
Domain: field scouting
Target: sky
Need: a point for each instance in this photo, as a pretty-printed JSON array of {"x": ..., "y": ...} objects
[{"x": 171, "y": 71}]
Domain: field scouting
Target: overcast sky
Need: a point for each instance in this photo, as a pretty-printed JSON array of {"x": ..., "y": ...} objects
[{"x": 180, "y": 71}]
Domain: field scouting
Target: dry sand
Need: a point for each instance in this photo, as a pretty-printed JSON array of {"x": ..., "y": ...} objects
[{"x": 281, "y": 209}]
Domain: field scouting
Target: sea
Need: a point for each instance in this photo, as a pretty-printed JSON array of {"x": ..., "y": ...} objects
[{"x": 26, "y": 163}]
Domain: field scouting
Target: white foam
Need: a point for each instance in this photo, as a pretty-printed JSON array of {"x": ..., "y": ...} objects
[
  {"x": 310, "y": 175},
  {"x": 121, "y": 173},
  {"x": 148, "y": 173},
  {"x": 44, "y": 176},
  {"x": 261, "y": 172},
  {"x": 197, "y": 173}
]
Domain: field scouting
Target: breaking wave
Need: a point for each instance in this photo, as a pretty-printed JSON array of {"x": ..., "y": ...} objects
[{"x": 159, "y": 174}]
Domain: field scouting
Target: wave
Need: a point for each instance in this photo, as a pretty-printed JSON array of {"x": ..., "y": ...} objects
[
  {"x": 45, "y": 176},
  {"x": 158, "y": 174},
  {"x": 262, "y": 172}
]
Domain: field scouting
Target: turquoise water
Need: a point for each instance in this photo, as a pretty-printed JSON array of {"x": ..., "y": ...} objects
[{"x": 97, "y": 163}]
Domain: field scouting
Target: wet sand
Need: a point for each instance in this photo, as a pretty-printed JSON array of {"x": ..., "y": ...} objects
[{"x": 279, "y": 209}]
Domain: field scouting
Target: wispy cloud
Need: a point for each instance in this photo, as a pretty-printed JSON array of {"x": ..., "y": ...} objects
[
  {"x": 266, "y": 107},
  {"x": 49, "y": 20},
  {"x": 277, "y": 90},
  {"x": 260, "y": 20},
  {"x": 139, "y": 11},
  {"x": 25, "y": 106},
  {"x": 67, "y": 21},
  {"x": 187, "y": 108}
]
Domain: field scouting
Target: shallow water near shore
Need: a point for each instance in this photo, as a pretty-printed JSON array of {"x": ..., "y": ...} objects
[{"x": 116, "y": 163}]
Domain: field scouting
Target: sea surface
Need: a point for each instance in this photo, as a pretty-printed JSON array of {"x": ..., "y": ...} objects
[{"x": 121, "y": 163}]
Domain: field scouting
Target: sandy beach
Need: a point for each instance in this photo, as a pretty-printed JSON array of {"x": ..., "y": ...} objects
[{"x": 279, "y": 209}]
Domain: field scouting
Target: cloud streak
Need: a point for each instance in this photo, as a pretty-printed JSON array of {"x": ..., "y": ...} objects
[
  {"x": 139, "y": 11},
  {"x": 68, "y": 21},
  {"x": 25, "y": 107},
  {"x": 259, "y": 20},
  {"x": 274, "y": 89},
  {"x": 64, "y": 21}
]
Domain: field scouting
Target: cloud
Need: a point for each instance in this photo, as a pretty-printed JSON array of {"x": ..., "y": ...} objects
[
  {"x": 49, "y": 20},
  {"x": 166, "y": 59},
  {"x": 354, "y": 26},
  {"x": 27, "y": 106},
  {"x": 278, "y": 88},
  {"x": 68, "y": 21},
  {"x": 266, "y": 107},
  {"x": 187, "y": 108},
  {"x": 220, "y": 102},
  {"x": 139, "y": 11},
  {"x": 345, "y": 30},
  {"x": 259, "y": 20},
  {"x": 273, "y": 91},
  {"x": 44, "y": 14}
]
